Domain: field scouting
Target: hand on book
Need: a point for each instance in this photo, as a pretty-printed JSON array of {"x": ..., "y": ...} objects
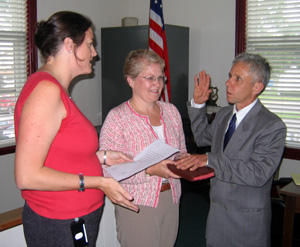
[
  {"x": 191, "y": 161},
  {"x": 161, "y": 169},
  {"x": 192, "y": 167}
]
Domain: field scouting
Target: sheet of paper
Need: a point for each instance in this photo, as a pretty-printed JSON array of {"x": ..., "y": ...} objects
[
  {"x": 152, "y": 154},
  {"x": 296, "y": 178}
]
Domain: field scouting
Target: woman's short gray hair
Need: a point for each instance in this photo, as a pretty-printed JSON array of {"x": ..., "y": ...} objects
[{"x": 137, "y": 60}]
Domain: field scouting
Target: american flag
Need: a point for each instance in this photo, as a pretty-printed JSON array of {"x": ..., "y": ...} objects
[{"x": 158, "y": 42}]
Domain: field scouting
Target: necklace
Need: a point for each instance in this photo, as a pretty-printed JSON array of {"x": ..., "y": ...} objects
[
  {"x": 152, "y": 113},
  {"x": 48, "y": 69},
  {"x": 137, "y": 109}
]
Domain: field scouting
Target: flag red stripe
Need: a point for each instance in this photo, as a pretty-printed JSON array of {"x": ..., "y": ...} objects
[
  {"x": 156, "y": 48},
  {"x": 153, "y": 25},
  {"x": 161, "y": 51}
]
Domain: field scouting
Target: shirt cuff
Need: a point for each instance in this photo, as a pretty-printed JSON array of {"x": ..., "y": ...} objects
[{"x": 195, "y": 105}]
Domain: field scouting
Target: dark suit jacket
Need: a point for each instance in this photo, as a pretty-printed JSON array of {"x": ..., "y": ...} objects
[{"x": 240, "y": 210}]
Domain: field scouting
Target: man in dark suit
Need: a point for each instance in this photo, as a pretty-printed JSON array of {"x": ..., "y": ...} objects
[{"x": 240, "y": 206}]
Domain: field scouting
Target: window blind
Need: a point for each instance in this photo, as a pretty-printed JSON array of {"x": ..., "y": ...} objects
[
  {"x": 273, "y": 31},
  {"x": 13, "y": 63}
]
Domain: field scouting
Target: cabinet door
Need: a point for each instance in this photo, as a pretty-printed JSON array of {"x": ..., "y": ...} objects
[
  {"x": 178, "y": 51},
  {"x": 117, "y": 42}
]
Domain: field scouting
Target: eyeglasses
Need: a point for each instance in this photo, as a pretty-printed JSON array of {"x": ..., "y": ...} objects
[{"x": 152, "y": 79}]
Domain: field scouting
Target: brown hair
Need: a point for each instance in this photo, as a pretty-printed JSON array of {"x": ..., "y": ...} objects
[{"x": 50, "y": 34}]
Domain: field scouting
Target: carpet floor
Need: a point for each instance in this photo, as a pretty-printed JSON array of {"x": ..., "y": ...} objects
[{"x": 194, "y": 206}]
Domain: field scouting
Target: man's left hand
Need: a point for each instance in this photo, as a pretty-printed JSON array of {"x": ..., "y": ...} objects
[{"x": 192, "y": 162}]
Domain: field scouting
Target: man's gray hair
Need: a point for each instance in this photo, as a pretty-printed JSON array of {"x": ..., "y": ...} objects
[{"x": 259, "y": 67}]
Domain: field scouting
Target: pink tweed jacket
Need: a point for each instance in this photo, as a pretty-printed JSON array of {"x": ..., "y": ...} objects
[{"x": 127, "y": 131}]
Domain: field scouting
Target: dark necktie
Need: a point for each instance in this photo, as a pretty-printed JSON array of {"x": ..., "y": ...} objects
[{"x": 230, "y": 130}]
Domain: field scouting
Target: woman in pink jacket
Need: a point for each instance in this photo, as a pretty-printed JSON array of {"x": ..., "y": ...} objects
[{"x": 129, "y": 128}]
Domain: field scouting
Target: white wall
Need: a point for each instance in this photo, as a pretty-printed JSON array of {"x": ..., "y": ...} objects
[
  {"x": 212, "y": 38},
  {"x": 10, "y": 195},
  {"x": 212, "y": 42},
  {"x": 212, "y": 34}
]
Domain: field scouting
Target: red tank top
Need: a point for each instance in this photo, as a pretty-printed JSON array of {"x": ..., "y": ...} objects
[{"x": 73, "y": 151}]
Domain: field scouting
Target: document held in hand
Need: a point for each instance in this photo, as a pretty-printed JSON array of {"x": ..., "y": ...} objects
[{"x": 152, "y": 154}]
